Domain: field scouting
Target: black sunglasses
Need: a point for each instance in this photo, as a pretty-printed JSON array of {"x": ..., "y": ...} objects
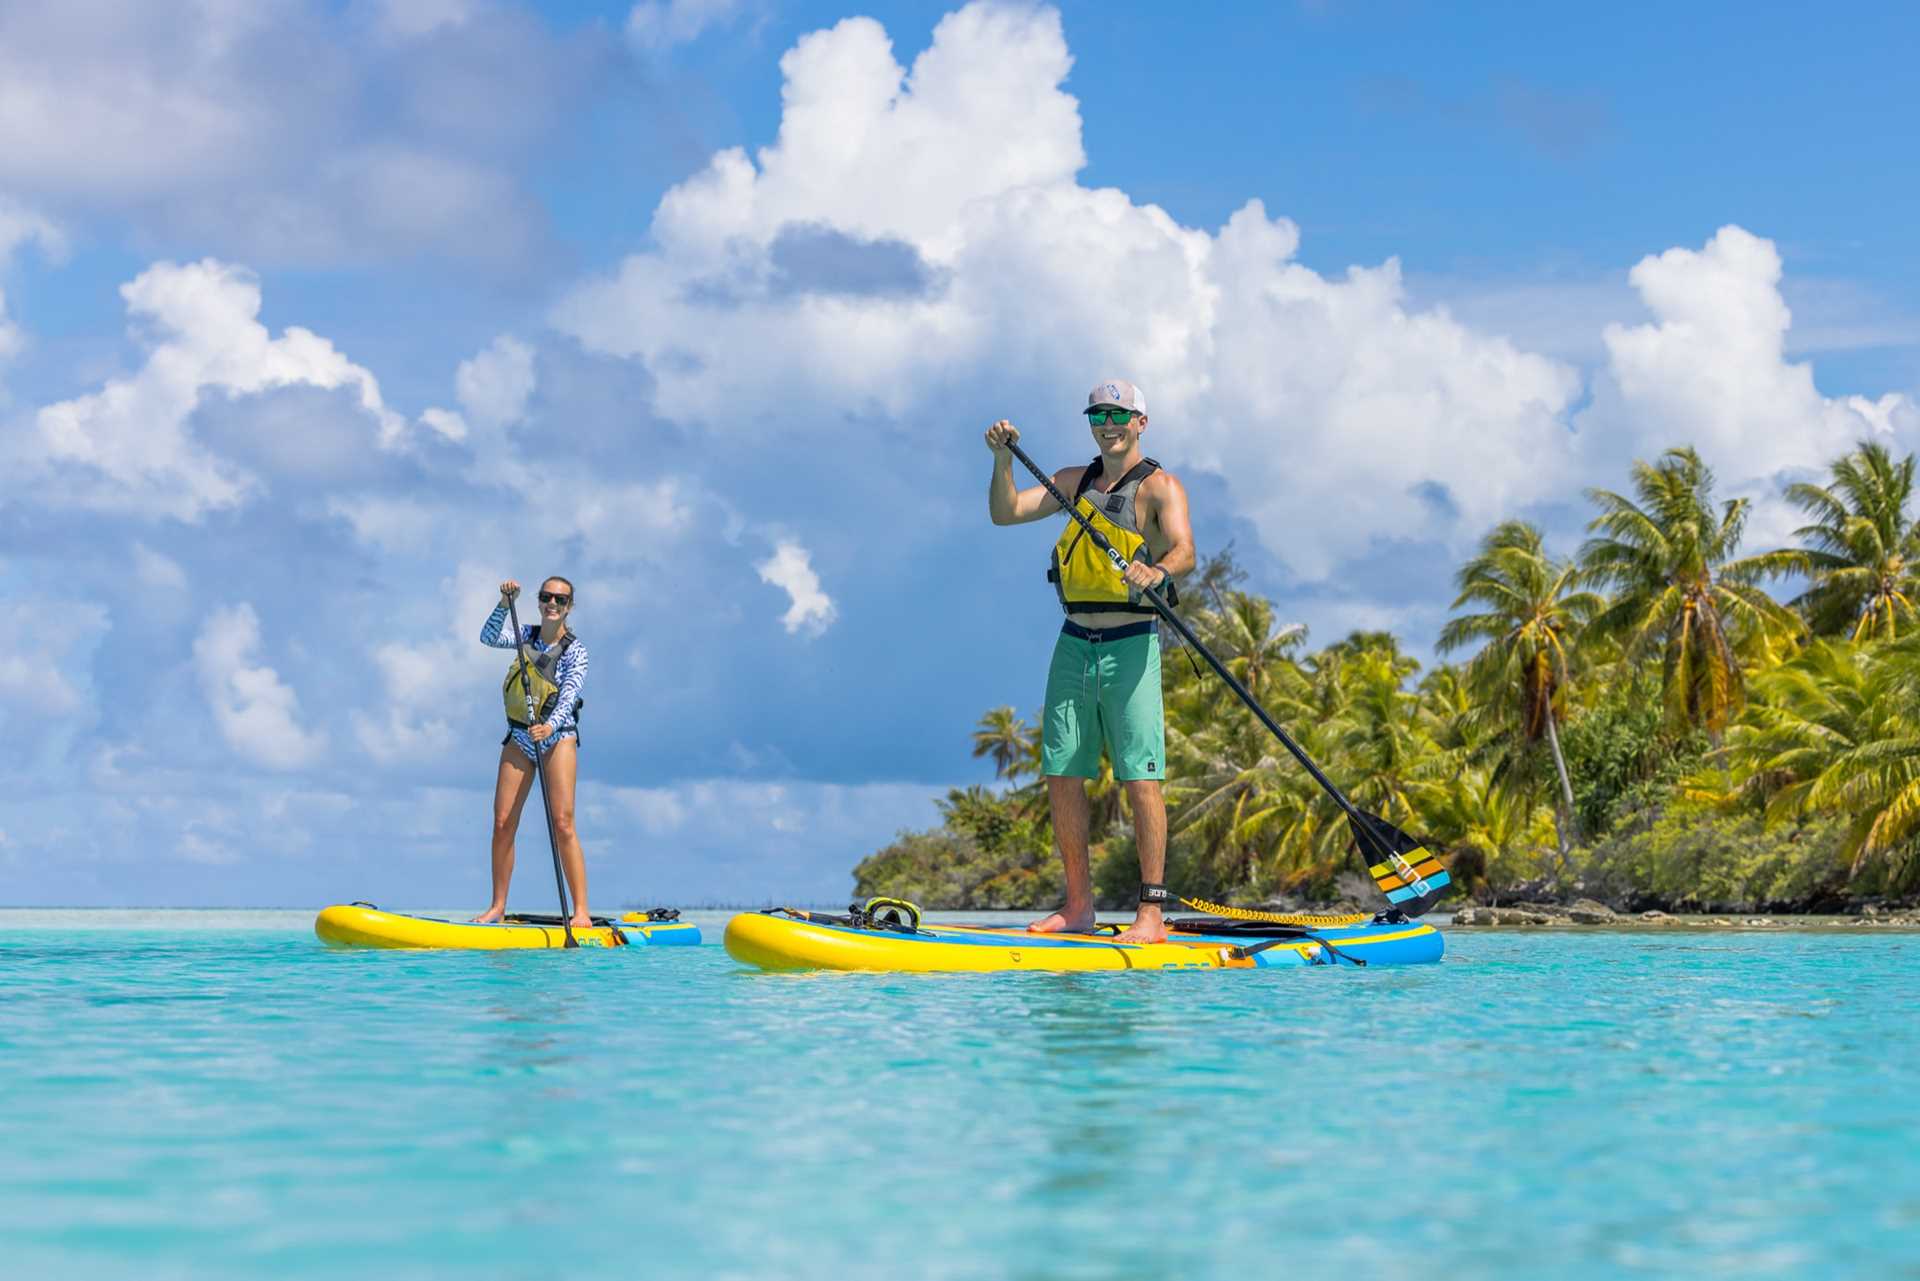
[{"x": 562, "y": 599}]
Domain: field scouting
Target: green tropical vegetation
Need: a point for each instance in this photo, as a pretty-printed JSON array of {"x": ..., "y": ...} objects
[{"x": 1641, "y": 722}]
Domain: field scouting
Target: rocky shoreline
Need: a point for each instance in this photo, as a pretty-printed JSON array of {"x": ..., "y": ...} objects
[{"x": 1588, "y": 913}]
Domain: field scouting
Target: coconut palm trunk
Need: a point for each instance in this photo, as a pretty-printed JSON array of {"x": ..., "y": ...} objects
[
  {"x": 1564, "y": 820},
  {"x": 1532, "y": 611}
]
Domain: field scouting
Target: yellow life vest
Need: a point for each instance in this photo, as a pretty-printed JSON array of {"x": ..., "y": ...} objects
[
  {"x": 1081, "y": 572},
  {"x": 541, "y": 674}
]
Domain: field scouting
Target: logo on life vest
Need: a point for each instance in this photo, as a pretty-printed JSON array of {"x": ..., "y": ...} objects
[{"x": 1115, "y": 503}]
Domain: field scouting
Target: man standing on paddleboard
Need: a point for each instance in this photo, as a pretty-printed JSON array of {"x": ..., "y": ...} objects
[{"x": 1103, "y": 686}]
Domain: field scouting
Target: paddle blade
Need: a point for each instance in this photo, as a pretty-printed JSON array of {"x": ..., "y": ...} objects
[{"x": 1412, "y": 877}]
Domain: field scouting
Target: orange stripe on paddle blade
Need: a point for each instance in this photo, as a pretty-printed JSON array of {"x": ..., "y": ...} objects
[{"x": 1426, "y": 868}]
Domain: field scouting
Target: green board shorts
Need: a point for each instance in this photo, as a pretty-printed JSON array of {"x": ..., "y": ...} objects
[{"x": 1105, "y": 692}]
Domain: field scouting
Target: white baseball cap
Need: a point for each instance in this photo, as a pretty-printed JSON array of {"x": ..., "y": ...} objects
[{"x": 1117, "y": 391}]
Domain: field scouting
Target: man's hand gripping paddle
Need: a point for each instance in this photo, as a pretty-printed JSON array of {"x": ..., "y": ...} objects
[
  {"x": 1411, "y": 877},
  {"x": 540, "y": 774}
]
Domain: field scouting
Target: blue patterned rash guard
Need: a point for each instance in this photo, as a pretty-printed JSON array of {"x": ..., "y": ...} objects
[{"x": 570, "y": 675}]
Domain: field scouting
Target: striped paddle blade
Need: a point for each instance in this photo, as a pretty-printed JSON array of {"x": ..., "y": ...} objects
[{"x": 1412, "y": 877}]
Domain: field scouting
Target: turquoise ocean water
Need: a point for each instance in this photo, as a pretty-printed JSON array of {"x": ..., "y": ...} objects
[{"x": 217, "y": 1094}]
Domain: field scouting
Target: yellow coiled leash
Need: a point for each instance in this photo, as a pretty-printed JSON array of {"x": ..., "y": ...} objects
[{"x": 1273, "y": 918}]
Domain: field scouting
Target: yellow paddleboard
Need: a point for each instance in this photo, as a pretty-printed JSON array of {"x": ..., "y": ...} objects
[
  {"x": 362, "y": 925},
  {"x": 780, "y": 941}
]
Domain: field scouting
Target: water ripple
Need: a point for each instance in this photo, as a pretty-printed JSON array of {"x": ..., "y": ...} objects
[{"x": 232, "y": 1102}]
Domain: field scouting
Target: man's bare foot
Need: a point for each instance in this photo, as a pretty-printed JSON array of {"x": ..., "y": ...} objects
[
  {"x": 1147, "y": 927},
  {"x": 1068, "y": 920},
  {"x": 492, "y": 916},
  {"x": 581, "y": 920}
]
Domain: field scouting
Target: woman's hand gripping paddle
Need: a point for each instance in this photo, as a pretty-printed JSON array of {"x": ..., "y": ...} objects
[
  {"x": 1411, "y": 876},
  {"x": 540, "y": 774}
]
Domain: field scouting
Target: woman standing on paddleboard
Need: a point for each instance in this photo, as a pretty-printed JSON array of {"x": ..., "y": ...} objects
[{"x": 556, "y": 668}]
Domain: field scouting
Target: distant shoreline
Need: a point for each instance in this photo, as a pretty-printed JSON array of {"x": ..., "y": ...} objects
[{"x": 1530, "y": 917}]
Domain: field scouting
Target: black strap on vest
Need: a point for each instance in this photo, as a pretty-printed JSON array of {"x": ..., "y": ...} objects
[
  {"x": 553, "y": 655},
  {"x": 1139, "y": 471}
]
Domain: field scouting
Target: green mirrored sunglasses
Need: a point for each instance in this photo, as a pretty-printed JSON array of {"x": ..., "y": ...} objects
[{"x": 1100, "y": 417}]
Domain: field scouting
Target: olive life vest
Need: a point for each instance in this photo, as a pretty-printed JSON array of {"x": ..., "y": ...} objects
[
  {"x": 1081, "y": 572},
  {"x": 542, "y": 670}
]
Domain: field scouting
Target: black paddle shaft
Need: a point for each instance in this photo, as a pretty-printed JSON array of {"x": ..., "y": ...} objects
[
  {"x": 1186, "y": 633},
  {"x": 540, "y": 776}
]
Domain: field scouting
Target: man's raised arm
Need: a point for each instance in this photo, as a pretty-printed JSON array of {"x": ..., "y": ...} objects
[{"x": 1007, "y": 503}]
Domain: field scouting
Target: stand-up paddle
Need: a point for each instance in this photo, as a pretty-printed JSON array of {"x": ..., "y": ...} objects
[
  {"x": 1411, "y": 876},
  {"x": 540, "y": 771}
]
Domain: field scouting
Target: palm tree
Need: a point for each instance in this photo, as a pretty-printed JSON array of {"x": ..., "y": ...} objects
[
  {"x": 1243, "y": 635},
  {"x": 1839, "y": 735},
  {"x": 1530, "y": 611},
  {"x": 1449, "y": 709},
  {"x": 1834, "y": 734},
  {"x": 1862, "y": 551},
  {"x": 1494, "y": 834},
  {"x": 1679, "y": 591},
  {"x": 1380, "y": 751},
  {"x": 1805, "y": 717},
  {"x": 1009, "y": 740}
]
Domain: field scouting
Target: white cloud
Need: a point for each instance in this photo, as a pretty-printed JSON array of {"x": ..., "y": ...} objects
[
  {"x": 790, "y": 568},
  {"x": 755, "y": 841},
  {"x": 1327, "y": 403},
  {"x": 622, "y": 521},
  {"x": 38, "y": 682},
  {"x": 1711, "y": 367},
  {"x": 915, "y": 235},
  {"x": 390, "y": 524},
  {"x": 413, "y": 723},
  {"x": 157, "y": 570},
  {"x": 495, "y": 385},
  {"x": 660, "y": 811},
  {"x": 257, "y": 713},
  {"x": 293, "y": 131},
  {"x": 661, "y": 24},
  {"x": 18, "y": 225},
  {"x": 432, "y": 674},
  {"x": 200, "y": 324},
  {"x": 493, "y": 388},
  {"x": 198, "y": 845},
  {"x": 411, "y": 19},
  {"x": 444, "y": 421},
  {"x": 1566, "y": 316},
  {"x": 11, "y": 340},
  {"x": 1710, "y": 370}
]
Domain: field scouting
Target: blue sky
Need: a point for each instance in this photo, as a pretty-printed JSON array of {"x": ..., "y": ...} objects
[{"x": 318, "y": 319}]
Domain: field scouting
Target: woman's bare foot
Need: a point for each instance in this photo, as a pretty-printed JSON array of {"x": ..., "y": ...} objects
[
  {"x": 492, "y": 916},
  {"x": 1147, "y": 926},
  {"x": 1068, "y": 920},
  {"x": 581, "y": 920}
]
